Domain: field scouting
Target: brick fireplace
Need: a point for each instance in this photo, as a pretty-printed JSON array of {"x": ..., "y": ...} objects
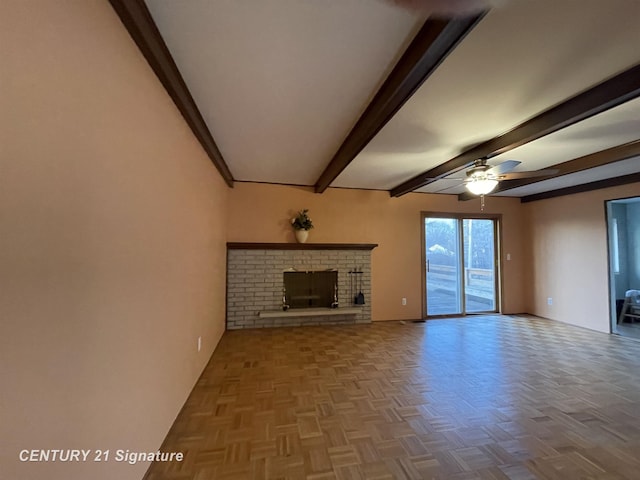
[{"x": 256, "y": 293}]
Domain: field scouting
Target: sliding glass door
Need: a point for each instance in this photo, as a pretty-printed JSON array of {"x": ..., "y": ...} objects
[
  {"x": 479, "y": 265},
  {"x": 460, "y": 264},
  {"x": 443, "y": 266}
]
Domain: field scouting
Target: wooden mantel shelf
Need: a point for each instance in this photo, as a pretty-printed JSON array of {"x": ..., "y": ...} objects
[{"x": 300, "y": 246}]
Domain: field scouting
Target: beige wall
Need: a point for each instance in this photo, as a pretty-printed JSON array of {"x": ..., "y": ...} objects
[
  {"x": 568, "y": 252},
  {"x": 112, "y": 232},
  {"x": 261, "y": 213}
]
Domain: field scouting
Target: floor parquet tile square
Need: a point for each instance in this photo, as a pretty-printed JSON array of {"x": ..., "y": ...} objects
[{"x": 482, "y": 397}]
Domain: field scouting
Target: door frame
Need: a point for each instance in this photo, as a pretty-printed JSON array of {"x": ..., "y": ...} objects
[
  {"x": 613, "y": 313},
  {"x": 497, "y": 235}
]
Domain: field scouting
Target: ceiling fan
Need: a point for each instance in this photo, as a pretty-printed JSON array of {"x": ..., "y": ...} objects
[{"x": 482, "y": 178}]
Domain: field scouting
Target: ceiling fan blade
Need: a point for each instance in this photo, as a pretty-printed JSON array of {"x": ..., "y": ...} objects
[
  {"x": 456, "y": 178},
  {"x": 451, "y": 187},
  {"x": 503, "y": 167},
  {"x": 531, "y": 174}
]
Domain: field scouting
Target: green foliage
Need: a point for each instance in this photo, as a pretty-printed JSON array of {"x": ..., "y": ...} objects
[{"x": 302, "y": 221}]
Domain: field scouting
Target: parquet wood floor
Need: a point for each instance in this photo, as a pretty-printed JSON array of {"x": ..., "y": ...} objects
[{"x": 476, "y": 398}]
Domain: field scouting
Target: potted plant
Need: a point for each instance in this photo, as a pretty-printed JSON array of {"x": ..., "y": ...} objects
[{"x": 301, "y": 223}]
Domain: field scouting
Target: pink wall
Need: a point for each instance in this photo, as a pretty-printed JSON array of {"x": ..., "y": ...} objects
[
  {"x": 568, "y": 252},
  {"x": 112, "y": 243},
  {"x": 112, "y": 257},
  {"x": 261, "y": 213}
]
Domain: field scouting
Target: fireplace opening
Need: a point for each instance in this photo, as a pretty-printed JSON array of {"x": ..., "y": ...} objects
[{"x": 316, "y": 289}]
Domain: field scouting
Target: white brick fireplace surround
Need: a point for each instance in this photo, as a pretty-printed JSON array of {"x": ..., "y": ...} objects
[{"x": 255, "y": 280}]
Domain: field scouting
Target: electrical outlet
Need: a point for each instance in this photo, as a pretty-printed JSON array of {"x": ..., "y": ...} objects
[
  {"x": 404, "y": 301},
  {"x": 199, "y": 343},
  {"x": 549, "y": 301},
  {"x": 508, "y": 256}
]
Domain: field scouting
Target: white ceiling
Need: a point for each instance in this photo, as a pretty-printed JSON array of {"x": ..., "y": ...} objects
[
  {"x": 280, "y": 83},
  {"x": 617, "y": 169},
  {"x": 616, "y": 126}
]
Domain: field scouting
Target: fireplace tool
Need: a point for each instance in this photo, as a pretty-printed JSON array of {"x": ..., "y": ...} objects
[
  {"x": 285, "y": 305},
  {"x": 335, "y": 296},
  {"x": 359, "y": 299},
  {"x": 356, "y": 286},
  {"x": 351, "y": 291}
]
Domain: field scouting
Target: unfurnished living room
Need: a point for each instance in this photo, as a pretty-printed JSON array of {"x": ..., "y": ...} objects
[{"x": 319, "y": 239}]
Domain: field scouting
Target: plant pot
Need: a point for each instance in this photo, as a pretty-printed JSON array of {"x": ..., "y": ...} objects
[{"x": 302, "y": 235}]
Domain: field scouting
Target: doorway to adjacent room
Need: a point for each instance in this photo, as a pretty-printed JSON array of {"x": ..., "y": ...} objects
[{"x": 623, "y": 232}]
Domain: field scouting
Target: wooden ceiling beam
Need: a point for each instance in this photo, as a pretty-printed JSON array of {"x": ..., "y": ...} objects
[
  {"x": 608, "y": 94},
  {"x": 436, "y": 39},
  {"x": 593, "y": 160},
  {"x": 584, "y": 187},
  {"x": 138, "y": 21}
]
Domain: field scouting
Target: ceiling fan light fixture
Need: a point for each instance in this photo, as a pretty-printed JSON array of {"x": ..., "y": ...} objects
[{"x": 481, "y": 186}]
